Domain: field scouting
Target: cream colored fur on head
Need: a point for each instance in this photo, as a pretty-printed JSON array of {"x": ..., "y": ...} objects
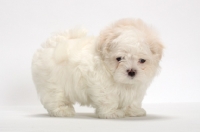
[{"x": 110, "y": 72}]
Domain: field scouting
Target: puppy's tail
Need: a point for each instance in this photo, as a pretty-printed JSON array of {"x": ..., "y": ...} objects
[
  {"x": 73, "y": 33},
  {"x": 63, "y": 42},
  {"x": 77, "y": 32}
]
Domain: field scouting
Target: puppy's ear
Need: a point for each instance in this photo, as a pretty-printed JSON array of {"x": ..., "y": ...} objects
[
  {"x": 105, "y": 40},
  {"x": 156, "y": 48}
]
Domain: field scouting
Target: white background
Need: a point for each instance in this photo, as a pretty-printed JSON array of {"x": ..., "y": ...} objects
[{"x": 25, "y": 24}]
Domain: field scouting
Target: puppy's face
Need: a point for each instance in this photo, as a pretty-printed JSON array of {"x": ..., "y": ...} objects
[
  {"x": 131, "y": 55},
  {"x": 130, "y": 60}
]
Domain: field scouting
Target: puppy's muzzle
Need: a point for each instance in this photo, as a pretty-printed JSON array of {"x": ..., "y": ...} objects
[{"x": 131, "y": 72}]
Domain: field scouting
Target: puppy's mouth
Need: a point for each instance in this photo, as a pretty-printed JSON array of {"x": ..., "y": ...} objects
[{"x": 131, "y": 77}]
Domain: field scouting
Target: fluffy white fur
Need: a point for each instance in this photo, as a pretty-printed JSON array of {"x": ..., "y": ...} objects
[{"x": 73, "y": 67}]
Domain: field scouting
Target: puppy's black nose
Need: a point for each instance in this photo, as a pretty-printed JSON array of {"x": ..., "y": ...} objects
[{"x": 131, "y": 72}]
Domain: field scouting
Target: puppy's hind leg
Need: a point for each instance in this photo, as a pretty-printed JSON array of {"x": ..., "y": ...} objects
[{"x": 56, "y": 103}]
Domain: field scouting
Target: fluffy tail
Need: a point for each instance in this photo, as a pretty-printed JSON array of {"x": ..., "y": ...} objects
[
  {"x": 69, "y": 34},
  {"x": 76, "y": 33},
  {"x": 61, "y": 42}
]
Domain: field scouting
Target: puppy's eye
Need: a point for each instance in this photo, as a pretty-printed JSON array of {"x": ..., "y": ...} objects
[
  {"x": 142, "y": 60},
  {"x": 118, "y": 58}
]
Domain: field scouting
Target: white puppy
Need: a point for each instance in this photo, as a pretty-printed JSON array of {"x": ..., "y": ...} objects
[{"x": 110, "y": 72}]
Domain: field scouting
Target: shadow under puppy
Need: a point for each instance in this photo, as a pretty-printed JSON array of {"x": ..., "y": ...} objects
[{"x": 110, "y": 72}]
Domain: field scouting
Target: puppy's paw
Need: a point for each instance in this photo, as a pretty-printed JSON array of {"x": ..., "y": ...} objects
[
  {"x": 62, "y": 111},
  {"x": 136, "y": 112},
  {"x": 111, "y": 115}
]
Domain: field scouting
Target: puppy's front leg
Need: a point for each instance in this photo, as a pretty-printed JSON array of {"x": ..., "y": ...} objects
[
  {"x": 107, "y": 107},
  {"x": 133, "y": 110},
  {"x": 109, "y": 112}
]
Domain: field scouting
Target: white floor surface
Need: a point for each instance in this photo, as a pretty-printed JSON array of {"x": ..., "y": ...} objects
[{"x": 179, "y": 117}]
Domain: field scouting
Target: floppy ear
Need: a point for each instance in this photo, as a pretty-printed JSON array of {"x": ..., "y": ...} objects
[
  {"x": 104, "y": 42},
  {"x": 156, "y": 48}
]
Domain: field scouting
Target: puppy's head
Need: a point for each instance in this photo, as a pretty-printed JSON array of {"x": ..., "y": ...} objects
[{"x": 131, "y": 51}]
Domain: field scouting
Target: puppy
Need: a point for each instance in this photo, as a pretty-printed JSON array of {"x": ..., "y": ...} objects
[{"x": 110, "y": 72}]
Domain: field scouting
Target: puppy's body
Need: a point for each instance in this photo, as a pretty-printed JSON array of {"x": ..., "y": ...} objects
[{"x": 73, "y": 67}]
